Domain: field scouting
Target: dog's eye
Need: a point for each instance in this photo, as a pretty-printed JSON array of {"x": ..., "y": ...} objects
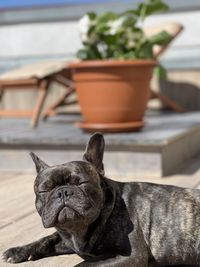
[
  {"x": 42, "y": 192},
  {"x": 83, "y": 182}
]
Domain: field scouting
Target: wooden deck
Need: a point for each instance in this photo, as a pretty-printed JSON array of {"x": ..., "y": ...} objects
[{"x": 20, "y": 224}]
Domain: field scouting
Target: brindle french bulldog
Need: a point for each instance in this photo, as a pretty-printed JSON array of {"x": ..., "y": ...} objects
[{"x": 109, "y": 223}]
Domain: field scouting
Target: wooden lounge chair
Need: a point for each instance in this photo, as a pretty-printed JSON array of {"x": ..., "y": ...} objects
[
  {"x": 173, "y": 29},
  {"x": 35, "y": 76},
  {"x": 39, "y": 76}
]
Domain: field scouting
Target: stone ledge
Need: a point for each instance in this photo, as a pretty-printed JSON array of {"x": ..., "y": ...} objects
[{"x": 164, "y": 145}]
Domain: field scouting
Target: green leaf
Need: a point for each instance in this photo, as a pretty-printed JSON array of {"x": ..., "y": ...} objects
[
  {"x": 160, "y": 72},
  {"x": 94, "y": 52},
  {"x": 110, "y": 39},
  {"x": 101, "y": 28},
  {"x": 118, "y": 54},
  {"x": 82, "y": 54},
  {"x": 144, "y": 50},
  {"x": 89, "y": 52},
  {"x": 138, "y": 34},
  {"x": 105, "y": 17},
  {"x": 92, "y": 15},
  {"x": 151, "y": 7},
  {"x": 129, "y": 21},
  {"x": 130, "y": 12},
  {"x": 130, "y": 55},
  {"x": 91, "y": 29},
  {"x": 162, "y": 38}
]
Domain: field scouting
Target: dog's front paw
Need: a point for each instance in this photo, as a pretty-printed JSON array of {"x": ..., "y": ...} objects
[{"x": 17, "y": 254}]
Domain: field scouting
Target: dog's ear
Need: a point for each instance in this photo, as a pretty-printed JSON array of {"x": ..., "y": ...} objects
[
  {"x": 94, "y": 152},
  {"x": 39, "y": 164}
]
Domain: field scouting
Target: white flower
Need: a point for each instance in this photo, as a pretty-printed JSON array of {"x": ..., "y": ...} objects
[
  {"x": 115, "y": 25},
  {"x": 102, "y": 47},
  {"x": 84, "y": 25},
  {"x": 131, "y": 44}
]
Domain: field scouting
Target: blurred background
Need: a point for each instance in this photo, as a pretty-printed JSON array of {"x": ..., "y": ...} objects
[{"x": 34, "y": 30}]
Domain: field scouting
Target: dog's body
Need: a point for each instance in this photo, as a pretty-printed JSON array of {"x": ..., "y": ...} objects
[{"x": 109, "y": 223}]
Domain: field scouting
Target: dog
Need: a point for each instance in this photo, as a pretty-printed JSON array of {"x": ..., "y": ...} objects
[{"x": 110, "y": 223}]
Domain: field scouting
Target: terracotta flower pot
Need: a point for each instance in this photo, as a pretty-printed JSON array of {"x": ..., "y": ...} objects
[{"x": 112, "y": 94}]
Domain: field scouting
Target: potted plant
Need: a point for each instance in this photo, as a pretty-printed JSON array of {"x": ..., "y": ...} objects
[{"x": 113, "y": 77}]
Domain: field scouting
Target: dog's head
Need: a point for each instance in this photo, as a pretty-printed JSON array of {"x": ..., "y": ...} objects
[{"x": 71, "y": 193}]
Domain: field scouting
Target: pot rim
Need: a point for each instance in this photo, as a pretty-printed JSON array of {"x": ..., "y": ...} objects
[{"x": 113, "y": 63}]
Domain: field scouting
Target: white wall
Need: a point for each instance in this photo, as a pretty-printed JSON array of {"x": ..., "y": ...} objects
[
  {"x": 23, "y": 43},
  {"x": 185, "y": 50},
  {"x": 39, "y": 39}
]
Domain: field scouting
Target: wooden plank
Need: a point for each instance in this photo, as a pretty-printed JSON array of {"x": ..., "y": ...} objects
[
  {"x": 5, "y": 176},
  {"x": 24, "y": 224},
  {"x": 16, "y": 113},
  {"x": 25, "y": 231},
  {"x": 58, "y": 261},
  {"x": 16, "y": 84},
  {"x": 43, "y": 91},
  {"x": 19, "y": 222},
  {"x": 16, "y": 198}
]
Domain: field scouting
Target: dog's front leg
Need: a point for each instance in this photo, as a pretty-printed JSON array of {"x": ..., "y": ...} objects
[{"x": 47, "y": 246}]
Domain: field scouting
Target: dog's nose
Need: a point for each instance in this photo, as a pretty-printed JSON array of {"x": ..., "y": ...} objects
[
  {"x": 68, "y": 192},
  {"x": 64, "y": 193}
]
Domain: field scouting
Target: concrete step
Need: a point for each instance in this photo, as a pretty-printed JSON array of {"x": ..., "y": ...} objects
[{"x": 166, "y": 143}]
